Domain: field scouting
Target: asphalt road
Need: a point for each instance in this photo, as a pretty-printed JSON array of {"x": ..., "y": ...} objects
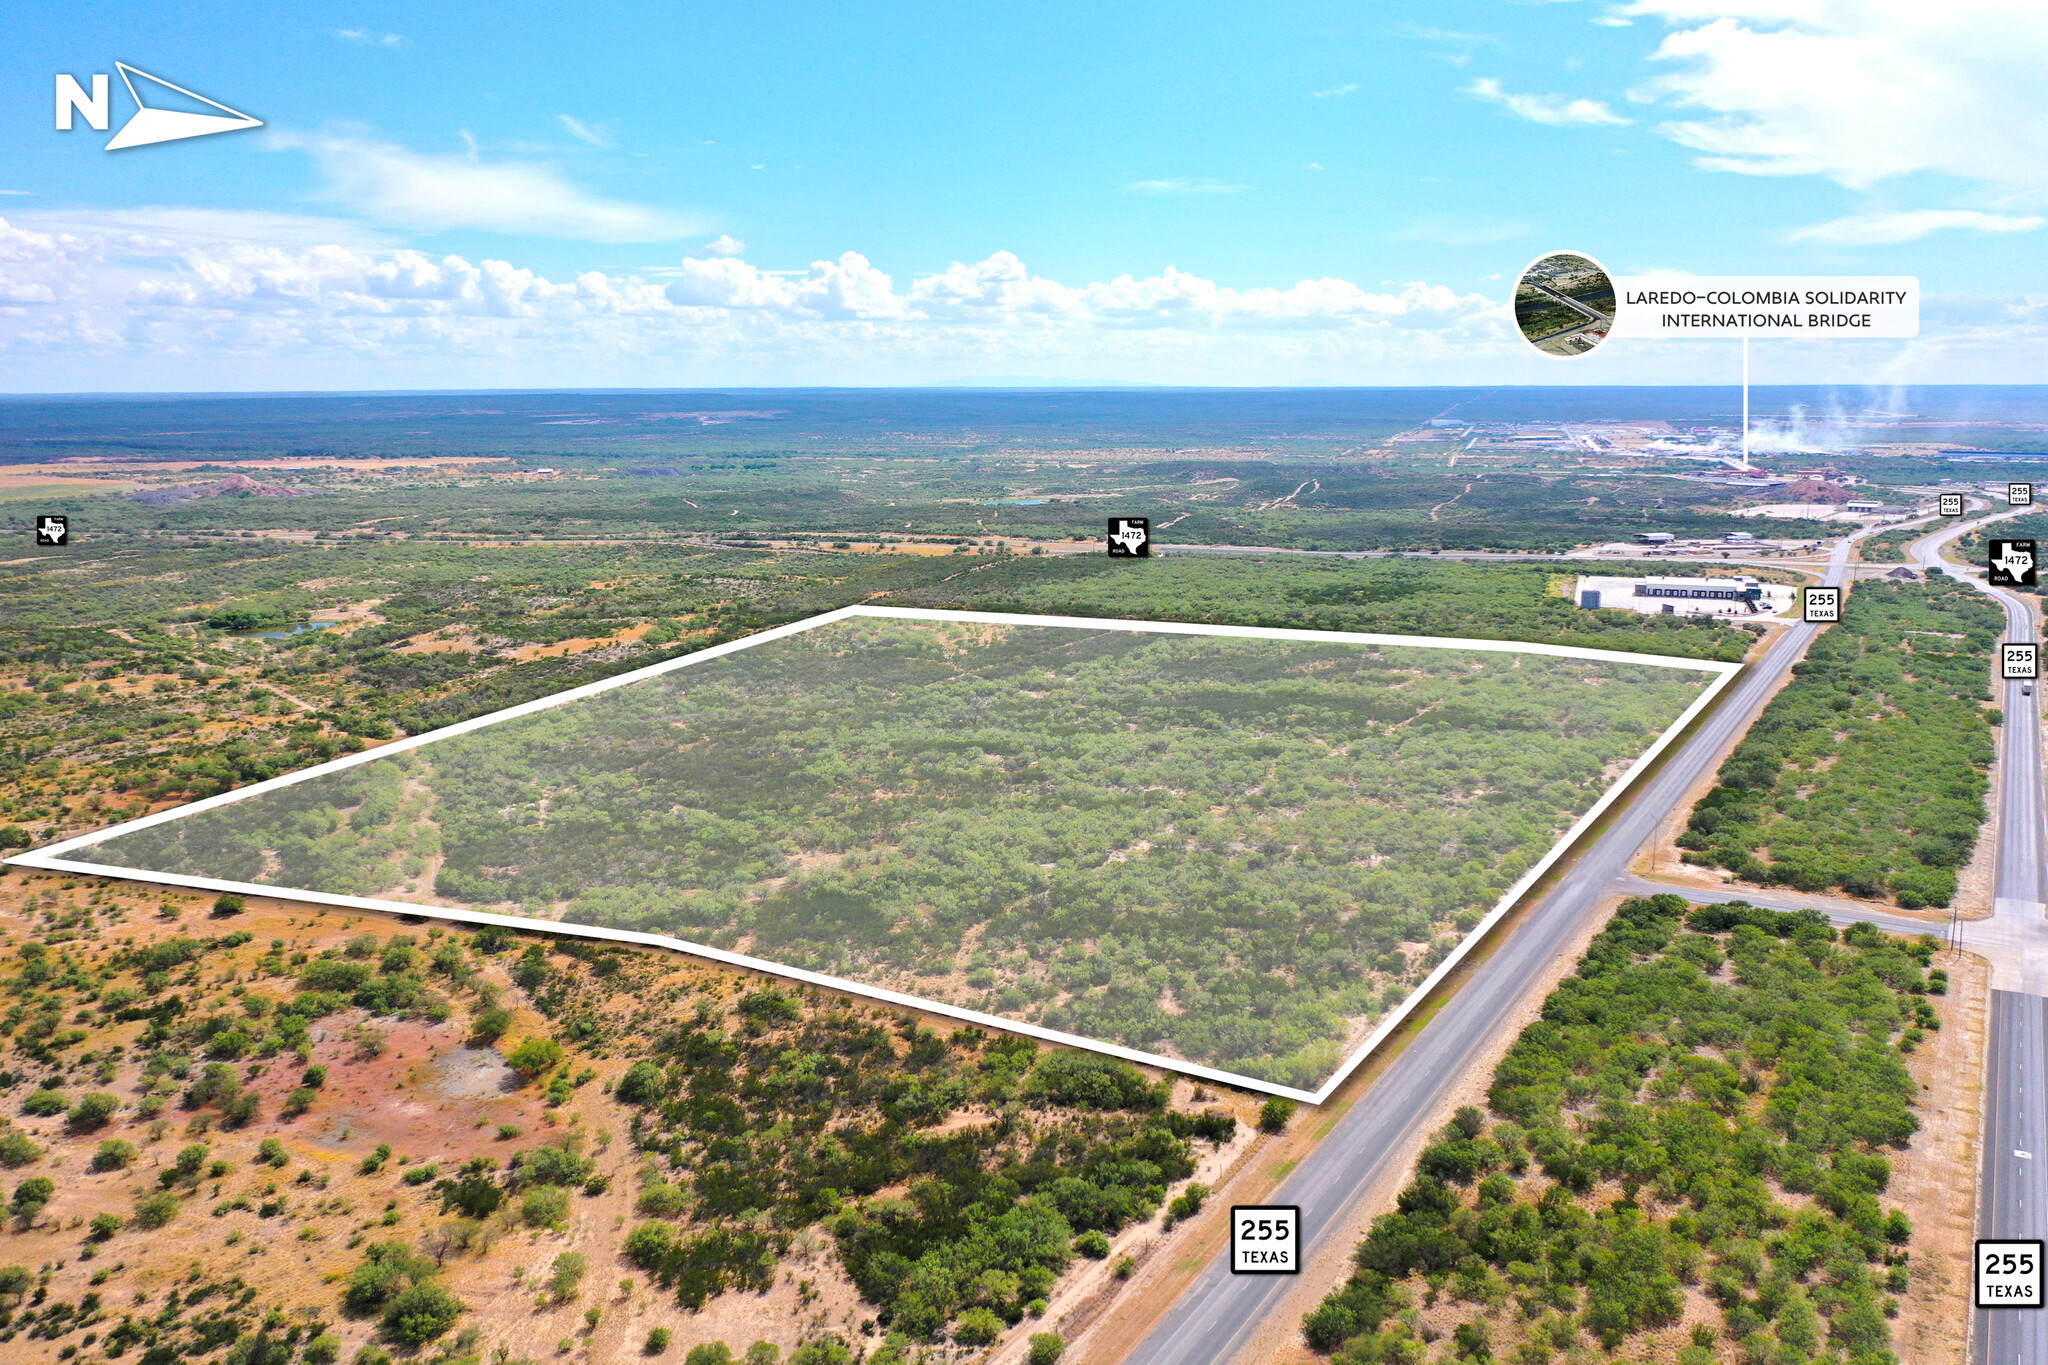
[
  {"x": 1215, "y": 1318},
  {"x": 1797, "y": 562},
  {"x": 2012, "y": 1188}
]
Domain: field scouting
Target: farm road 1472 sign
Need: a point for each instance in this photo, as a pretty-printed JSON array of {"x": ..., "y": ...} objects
[
  {"x": 2012, "y": 564},
  {"x": 1130, "y": 537}
]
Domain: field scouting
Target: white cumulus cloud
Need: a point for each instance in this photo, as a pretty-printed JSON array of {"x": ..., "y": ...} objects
[
  {"x": 1558, "y": 111},
  {"x": 1858, "y": 91},
  {"x": 725, "y": 245},
  {"x": 849, "y": 287},
  {"x": 197, "y": 299},
  {"x": 418, "y": 190}
]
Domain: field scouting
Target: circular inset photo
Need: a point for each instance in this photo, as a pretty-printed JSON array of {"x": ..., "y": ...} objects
[{"x": 1564, "y": 304}]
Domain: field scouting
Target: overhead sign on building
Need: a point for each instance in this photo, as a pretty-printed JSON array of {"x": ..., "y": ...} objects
[
  {"x": 1713, "y": 589},
  {"x": 1732, "y": 306}
]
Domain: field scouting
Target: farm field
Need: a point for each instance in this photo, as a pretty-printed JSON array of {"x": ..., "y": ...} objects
[{"x": 1234, "y": 854}]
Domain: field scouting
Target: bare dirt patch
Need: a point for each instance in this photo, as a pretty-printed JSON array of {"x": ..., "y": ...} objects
[
  {"x": 582, "y": 644},
  {"x": 1936, "y": 1177}
]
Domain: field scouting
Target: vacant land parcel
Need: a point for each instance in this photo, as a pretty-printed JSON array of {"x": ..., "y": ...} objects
[{"x": 1238, "y": 853}]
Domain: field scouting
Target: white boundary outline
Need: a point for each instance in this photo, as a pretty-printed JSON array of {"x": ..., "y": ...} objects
[{"x": 52, "y": 859}]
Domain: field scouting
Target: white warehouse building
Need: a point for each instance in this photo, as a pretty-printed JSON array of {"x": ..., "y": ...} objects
[
  {"x": 1709, "y": 589},
  {"x": 1742, "y": 597}
]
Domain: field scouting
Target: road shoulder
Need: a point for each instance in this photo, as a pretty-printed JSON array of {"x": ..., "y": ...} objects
[{"x": 1936, "y": 1175}]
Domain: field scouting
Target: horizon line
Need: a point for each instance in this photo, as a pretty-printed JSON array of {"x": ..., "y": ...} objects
[{"x": 137, "y": 394}]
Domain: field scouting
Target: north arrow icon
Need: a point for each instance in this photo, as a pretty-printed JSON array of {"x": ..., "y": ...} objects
[{"x": 169, "y": 125}]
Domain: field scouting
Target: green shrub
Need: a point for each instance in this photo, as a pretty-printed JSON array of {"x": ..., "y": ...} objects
[
  {"x": 648, "y": 1246},
  {"x": 1275, "y": 1114},
  {"x": 324, "y": 1349},
  {"x": 31, "y": 1195},
  {"x": 271, "y": 1153},
  {"x": 709, "y": 1353},
  {"x": 977, "y": 1327},
  {"x": 1092, "y": 1244},
  {"x": 770, "y": 1006},
  {"x": 1089, "y": 1080},
  {"x": 224, "y": 905},
  {"x": 553, "y": 1164},
  {"x": 658, "y": 1339},
  {"x": 420, "y": 1313},
  {"x": 545, "y": 1206},
  {"x": 105, "y": 1225},
  {"x": 114, "y": 1155},
  {"x": 1187, "y": 1204},
  {"x": 567, "y": 1275},
  {"x": 218, "y": 1083},
  {"x": 386, "y": 1269},
  {"x": 333, "y": 974},
  {"x": 17, "y": 1150},
  {"x": 642, "y": 1084},
  {"x": 154, "y": 1210},
  {"x": 44, "y": 1104},
  {"x": 1047, "y": 1348},
  {"x": 663, "y": 1200},
  {"x": 534, "y": 1055}
]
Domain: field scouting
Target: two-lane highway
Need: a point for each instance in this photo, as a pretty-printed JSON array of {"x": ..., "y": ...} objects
[
  {"x": 1214, "y": 1319},
  {"x": 2012, "y": 1188}
]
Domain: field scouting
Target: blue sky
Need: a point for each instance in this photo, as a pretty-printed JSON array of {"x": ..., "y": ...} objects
[{"x": 908, "y": 193}]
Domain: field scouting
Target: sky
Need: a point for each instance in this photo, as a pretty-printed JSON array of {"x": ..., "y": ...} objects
[{"x": 514, "y": 195}]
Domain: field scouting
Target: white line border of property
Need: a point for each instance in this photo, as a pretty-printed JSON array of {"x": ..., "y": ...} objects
[{"x": 53, "y": 859}]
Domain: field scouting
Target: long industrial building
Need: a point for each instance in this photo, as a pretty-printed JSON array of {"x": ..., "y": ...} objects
[{"x": 1716, "y": 589}]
